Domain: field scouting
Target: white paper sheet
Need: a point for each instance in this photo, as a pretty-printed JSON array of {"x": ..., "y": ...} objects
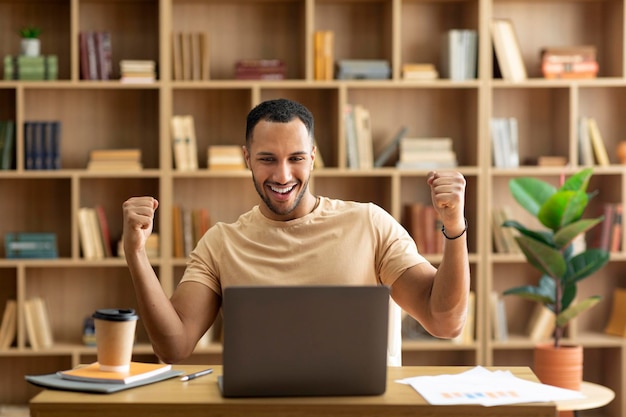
[{"x": 487, "y": 388}]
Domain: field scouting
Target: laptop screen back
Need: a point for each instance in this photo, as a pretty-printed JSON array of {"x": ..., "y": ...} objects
[{"x": 304, "y": 341}]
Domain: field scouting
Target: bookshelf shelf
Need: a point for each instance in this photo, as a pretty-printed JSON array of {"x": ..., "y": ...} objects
[{"x": 111, "y": 114}]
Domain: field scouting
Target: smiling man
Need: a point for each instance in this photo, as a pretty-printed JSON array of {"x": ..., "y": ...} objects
[{"x": 296, "y": 238}]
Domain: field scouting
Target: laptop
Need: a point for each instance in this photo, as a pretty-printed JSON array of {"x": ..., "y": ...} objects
[{"x": 284, "y": 341}]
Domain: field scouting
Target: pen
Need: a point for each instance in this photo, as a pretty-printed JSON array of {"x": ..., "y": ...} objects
[{"x": 196, "y": 374}]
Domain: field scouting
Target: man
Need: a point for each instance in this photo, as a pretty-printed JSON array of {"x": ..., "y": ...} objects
[{"x": 294, "y": 237}]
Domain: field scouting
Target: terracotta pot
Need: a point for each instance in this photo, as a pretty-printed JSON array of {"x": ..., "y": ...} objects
[{"x": 561, "y": 367}]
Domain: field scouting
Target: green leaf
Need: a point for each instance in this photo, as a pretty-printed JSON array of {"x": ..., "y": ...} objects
[
  {"x": 585, "y": 264},
  {"x": 566, "y": 315},
  {"x": 540, "y": 235},
  {"x": 579, "y": 181},
  {"x": 564, "y": 236},
  {"x": 543, "y": 257},
  {"x": 530, "y": 292},
  {"x": 562, "y": 208},
  {"x": 531, "y": 193}
]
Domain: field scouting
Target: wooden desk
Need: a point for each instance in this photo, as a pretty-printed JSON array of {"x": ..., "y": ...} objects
[{"x": 201, "y": 397}]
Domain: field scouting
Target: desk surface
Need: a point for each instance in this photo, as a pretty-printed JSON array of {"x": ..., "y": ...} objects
[{"x": 201, "y": 397}]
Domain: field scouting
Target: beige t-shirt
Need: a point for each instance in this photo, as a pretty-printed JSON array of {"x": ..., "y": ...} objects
[{"x": 338, "y": 243}]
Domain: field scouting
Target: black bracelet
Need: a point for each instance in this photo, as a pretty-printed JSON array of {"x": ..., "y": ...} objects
[{"x": 443, "y": 230}]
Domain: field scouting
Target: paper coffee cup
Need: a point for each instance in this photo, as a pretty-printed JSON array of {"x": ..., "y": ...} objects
[{"x": 115, "y": 336}]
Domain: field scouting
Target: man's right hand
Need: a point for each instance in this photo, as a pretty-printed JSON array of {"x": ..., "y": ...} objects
[{"x": 138, "y": 222}]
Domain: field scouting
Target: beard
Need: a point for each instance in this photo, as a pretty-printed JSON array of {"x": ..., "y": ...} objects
[{"x": 280, "y": 211}]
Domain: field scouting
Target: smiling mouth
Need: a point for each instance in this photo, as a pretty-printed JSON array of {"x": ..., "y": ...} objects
[{"x": 282, "y": 190}]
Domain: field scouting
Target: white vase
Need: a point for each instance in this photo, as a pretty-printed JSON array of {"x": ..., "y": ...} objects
[{"x": 30, "y": 47}]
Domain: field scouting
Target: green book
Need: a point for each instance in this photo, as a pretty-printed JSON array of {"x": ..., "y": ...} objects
[{"x": 8, "y": 140}]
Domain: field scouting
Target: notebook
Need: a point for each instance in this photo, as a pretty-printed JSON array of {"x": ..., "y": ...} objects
[{"x": 304, "y": 341}]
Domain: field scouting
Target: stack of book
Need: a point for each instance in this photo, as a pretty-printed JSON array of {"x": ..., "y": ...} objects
[
  {"x": 419, "y": 72},
  {"x": 260, "y": 69},
  {"x": 95, "y": 55},
  {"x": 42, "y": 140},
  {"x": 30, "y": 245},
  {"x": 225, "y": 157},
  {"x": 115, "y": 160},
  {"x": 137, "y": 71},
  {"x": 569, "y": 62},
  {"x": 363, "y": 69},
  {"x": 7, "y": 143},
  {"x": 426, "y": 153},
  {"x": 31, "y": 67}
]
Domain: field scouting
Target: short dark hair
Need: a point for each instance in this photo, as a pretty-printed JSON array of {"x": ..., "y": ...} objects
[{"x": 279, "y": 111}]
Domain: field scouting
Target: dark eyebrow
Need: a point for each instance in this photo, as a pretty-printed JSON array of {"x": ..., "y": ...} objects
[{"x": 265, "y": 153}]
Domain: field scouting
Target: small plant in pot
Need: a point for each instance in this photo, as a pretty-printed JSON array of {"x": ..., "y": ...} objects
[
  {"x": 551, "y": 251},
  {"x": 30, "y": 45}
]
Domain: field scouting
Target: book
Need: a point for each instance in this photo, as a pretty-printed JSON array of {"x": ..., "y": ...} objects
[
  {"x": 260, "y": 69},
  {"x": 504, "y": 142},
  {"x": 8, "y": 143},
  {"x": 363, "y": 69},
  {"x": 541, "y": 323},
  {"x": 569, "y": 62},
  {"x": 507, "y": 50},
  {"x": 323, "y": 43},
  {"x": 191, "y": 142},
  {"x": 499, "y": 322},
  {"x": 30, "y": 245},
  {"x": 351, "y": 143},
  {"x": 138, "y": 371},
  {"x": 597, "y": 143},
  {"x": 125, "y": 154},
  {"x": 616, "y": 324},
  {"x": 86, "y": 234},
  {"x": 459, "y": 54},
  {"x": 225, "y": 157},
  {"x": 36, "y": 312},
  {"x": 56, "y": 381},
  {"x": 105, "y": 233},
  {"x": 103, "y": 55},
  {"x": 179, "y": 147},
  {"x": 426, "y": 153},
  {"x": 177, "y": 56},
  {"x": 585, "y": 150},
  {"x": 419, "y": 71},
  {"x": 389, "y": 148},
  {"x": 363, "y": 129},
  {"x": 205, "y": 56},
  {"x": 8, "y": 327}
]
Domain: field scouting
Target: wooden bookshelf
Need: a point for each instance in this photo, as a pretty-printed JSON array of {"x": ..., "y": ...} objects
[{"x": 109, "y": 114}]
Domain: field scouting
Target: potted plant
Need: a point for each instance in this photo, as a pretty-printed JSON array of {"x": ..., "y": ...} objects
[
  {"x": 551, "y": 252},
  {"x": 30, "y": 45}
]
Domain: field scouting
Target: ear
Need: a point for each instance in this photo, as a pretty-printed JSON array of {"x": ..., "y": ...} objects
[
  {"x": 313, "y": 152},
  {"x": 246, "y": 156}
]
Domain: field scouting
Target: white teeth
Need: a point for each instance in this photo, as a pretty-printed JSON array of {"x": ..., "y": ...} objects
[{"x": 282, "y": 190}]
